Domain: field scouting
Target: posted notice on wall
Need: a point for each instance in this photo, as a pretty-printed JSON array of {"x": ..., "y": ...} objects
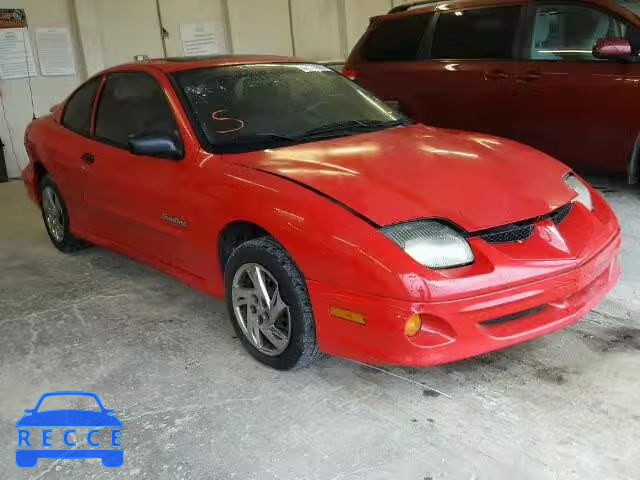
[
  {"x": 199, "y": 39},
  {"x": 55, "y": 51},
  {"x": 16, "y": 55}
]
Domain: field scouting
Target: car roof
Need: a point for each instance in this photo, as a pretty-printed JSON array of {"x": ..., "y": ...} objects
[
  {"x": 444, "y": 5},
  {"x": 175, "y": 64},
  {"x": 426, "y": 6}
]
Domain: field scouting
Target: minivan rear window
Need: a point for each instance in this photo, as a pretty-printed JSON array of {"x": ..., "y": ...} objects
[
  {"x": 395, "y": 39},
  {"x": 485, "y": 33}
]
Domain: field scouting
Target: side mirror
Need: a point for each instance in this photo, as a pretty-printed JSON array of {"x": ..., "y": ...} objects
[
  {"x": 612, "y": 48},
  {"x": 159, "y": 144},
  {"x": 28, "y": 410}
]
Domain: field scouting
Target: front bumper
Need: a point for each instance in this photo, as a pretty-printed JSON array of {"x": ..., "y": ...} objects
[{"x": 461, "y": 328}]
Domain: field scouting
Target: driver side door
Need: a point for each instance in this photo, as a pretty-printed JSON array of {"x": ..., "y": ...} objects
[{"x": 138, "y": 203}]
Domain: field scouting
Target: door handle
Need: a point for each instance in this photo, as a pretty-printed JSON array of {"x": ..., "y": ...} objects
[
  {"x": 495, "y": 75},
  {"x": 530, "y": 77},
  {"x": 88, "y": 158}
]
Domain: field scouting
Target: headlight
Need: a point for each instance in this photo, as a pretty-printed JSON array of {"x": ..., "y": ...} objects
[
  {"x": 431, "y": 243},
  {"x": 584, "y": 196}
]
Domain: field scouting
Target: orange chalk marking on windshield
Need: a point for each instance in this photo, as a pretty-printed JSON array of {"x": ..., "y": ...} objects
[{"x": 216, "y": 116}]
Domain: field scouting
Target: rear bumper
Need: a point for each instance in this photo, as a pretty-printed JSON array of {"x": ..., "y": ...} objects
[{"x": 462, "y": 328}]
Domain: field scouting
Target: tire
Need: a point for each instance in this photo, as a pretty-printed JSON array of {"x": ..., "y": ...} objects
[
  {"x": 302, "y": 347},
  {"x": 61, "y": 237}
]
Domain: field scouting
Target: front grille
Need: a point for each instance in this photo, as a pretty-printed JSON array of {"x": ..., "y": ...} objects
[
  {"x": 521, "y": 231},
  {"x": 561, "y": 213},
  {"x": 512, "y": 233}
]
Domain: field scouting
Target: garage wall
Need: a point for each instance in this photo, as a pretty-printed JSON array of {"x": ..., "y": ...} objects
[
  {"x": 317, "y": 29},
  {"x": 16, "y": 99},
  {"x": 260, "y": 27},
  {"x": 323, "y": 30},
  {"x": 175, "y": 12},
  {"x": 127, "y": 27},
  {"x": 110, "y": 32}
]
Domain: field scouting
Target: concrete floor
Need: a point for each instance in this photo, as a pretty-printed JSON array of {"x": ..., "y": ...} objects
[{"x": 195, "y": 405}]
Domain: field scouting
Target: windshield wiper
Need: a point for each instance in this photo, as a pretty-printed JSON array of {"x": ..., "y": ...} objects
[
  {"x": 352, "y": 125},
  {"x": 259, "y": 138}
]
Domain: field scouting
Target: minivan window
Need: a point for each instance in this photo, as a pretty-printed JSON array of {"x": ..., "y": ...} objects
[
  {"x": 132, "y": 103},
  {"x": 486, "y": 33},
  {"x": 77, "y": 112},
  {"x": 569, "y": 31},
  {"x": 396, "y": 39}
]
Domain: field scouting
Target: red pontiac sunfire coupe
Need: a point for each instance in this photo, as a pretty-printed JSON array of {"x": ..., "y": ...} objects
[{"x": 330, "y": 222}]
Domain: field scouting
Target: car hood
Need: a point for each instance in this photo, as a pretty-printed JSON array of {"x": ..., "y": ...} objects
[
  {"x": 399, "y": 174},
  {"x": 69, "y": 418}
]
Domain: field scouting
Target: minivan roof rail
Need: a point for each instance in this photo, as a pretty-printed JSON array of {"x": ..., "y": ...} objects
[{"x": 406, "y": 6}]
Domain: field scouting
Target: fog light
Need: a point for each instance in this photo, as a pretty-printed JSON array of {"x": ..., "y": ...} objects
[{"x": 413, "y": 325}]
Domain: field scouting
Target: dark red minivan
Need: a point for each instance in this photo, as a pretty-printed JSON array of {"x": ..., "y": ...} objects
[{"x": 561, "y": 76}]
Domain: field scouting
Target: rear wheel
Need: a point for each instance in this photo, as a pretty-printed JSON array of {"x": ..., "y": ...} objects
[
  {"x": 56, "y": 217},
  {"x": 269, "y": 305}
]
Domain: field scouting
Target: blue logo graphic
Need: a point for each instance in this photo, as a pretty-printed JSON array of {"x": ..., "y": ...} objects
[{"x": 35, "y": 433}]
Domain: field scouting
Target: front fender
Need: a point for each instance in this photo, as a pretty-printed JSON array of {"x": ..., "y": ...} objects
[{"x": 329, "y": 243}]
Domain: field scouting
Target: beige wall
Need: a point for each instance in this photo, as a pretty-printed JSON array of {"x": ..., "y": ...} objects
[
  {"x": 46, "y": 90},
  {"x": 317, "y": 30},
  {"x": 109, "y": 32},
  {"x": 128, "y": 28},
  {"x": 324, "y": 30},
  {"x": 260, "y": 27},
  {"x": 192, "y": 11}
]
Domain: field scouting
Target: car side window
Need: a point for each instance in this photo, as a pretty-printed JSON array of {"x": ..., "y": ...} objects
[
  {"x": 396, "y": 39},
  {"x": 569, "y": 31},
  {"x": 483, "y": 33},
  {"x": 132, "y": 103},
  {"x": 77, "y": 111}
]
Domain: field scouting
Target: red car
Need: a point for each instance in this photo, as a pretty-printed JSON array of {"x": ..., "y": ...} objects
[
  {"x": 329, "y": 222},
  {"x": 561, "y": 76}
]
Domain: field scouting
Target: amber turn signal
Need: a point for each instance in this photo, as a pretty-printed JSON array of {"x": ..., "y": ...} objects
[
  {"x": 413, "y": 325},
  {"x": 348, "y": 315}
]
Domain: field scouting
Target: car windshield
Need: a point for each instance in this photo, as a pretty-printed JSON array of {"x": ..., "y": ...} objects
[{"x": 251, "y": 107}]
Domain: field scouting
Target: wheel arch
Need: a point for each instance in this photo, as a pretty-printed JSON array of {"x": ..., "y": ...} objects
[
  {"x": 234, "y": 234},
  {"x": 39, "y": 172},
  {"x": 329, "y": 242}
]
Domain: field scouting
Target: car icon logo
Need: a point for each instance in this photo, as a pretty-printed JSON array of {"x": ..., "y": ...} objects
[{"x": 72, "y": 427}]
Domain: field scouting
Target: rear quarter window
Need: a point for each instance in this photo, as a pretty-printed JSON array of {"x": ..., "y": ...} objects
[
  {"x": 395, "y": 39},
  {"x": 77, "y": 111}
]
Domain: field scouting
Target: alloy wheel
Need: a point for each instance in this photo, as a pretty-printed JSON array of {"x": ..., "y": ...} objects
[
  {"x": 53, "y": 213},
  {"x": 263, "y": 316}
]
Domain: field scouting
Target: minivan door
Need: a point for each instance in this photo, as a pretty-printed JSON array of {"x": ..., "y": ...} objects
[
  {"x": 448, "y": 68},
  {"x": 571, "y": 105},
  {"x": 466, "y": 83}
]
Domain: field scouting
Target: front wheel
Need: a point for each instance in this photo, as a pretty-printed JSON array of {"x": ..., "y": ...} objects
[{"x": 269, "y": 305}]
